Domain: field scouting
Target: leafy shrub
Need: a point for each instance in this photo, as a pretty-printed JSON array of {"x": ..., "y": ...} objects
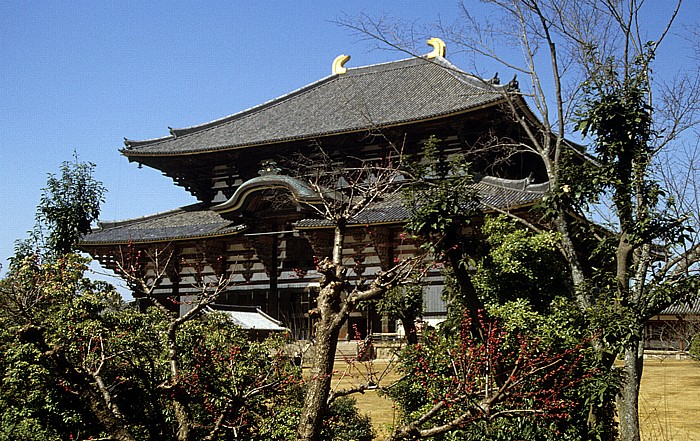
[
  {"x": 345, "y": 423},
  {"x": 694, "y": 348}
]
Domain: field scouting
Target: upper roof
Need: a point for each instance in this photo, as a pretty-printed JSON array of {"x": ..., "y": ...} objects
[{"x": 379, "y": 95}]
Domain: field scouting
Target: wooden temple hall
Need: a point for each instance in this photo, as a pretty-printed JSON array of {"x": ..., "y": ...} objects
[{"x": 237, "y": 168}]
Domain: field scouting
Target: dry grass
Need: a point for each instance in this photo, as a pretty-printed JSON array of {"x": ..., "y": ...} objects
[
  {"x": 669, "y": 401},
  {"x": 380, "y": 409}
]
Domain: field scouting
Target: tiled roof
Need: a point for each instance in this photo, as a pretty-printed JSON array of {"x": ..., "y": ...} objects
[
  {"x": 197, "y": 221},
  {"x": 380, "y": 95},
  {"x": 491, "y": 192},
  {"x": 184, "y": 223},
  {"x": 691, "y": 308}
]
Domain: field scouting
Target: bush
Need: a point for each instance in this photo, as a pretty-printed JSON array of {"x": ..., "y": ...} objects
[
  {"x": 345, "y": 423},
  {"x": 694, "y": 349}
]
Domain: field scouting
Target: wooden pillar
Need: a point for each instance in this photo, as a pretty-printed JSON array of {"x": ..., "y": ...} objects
[{"x": 267, "y": 249}]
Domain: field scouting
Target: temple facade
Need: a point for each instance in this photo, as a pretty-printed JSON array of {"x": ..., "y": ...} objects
[{"x": 255, "y": 223}]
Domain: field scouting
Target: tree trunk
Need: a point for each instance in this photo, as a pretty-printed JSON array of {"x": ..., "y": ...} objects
[
  {"x": 183, "y": 419},
  {"x": 333, "y": 313},
  {"x": 628, "y": 398},
  {"x": 319, "y": 384},
  {"x": 471, "y": 298},
  {"x": 178, "y": 396},
  {"x": 409, "y": 329}
]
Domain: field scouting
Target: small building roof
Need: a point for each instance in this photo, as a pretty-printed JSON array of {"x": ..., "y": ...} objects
[
  {"x": 249, "y": 318},
  {"x": 380, "y": 95},
  {"x": 684, "y": 308}
]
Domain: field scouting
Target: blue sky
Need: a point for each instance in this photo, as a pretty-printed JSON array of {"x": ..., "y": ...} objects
[{"x": 82, "y": 75}]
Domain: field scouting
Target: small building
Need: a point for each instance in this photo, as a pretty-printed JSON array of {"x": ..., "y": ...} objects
[
  {"x": 254, "y": 221},
  {"x": 251, "y": 319},
  {"x": 673, "y": 329}
]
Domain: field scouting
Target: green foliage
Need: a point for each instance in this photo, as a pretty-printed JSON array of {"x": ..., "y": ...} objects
[
  {"x": 442, "y": 201},
  {"x": 34, "y": 404},
  {"x": 511, "y": 263},
  {"x": 345, "y": 423},
  {"x": 694, "y": 348},
  {"x": 85, "y": 322},
  {"x": 525, "y": 284},
  {"x": 403, "y": 303},
  {"x": 519, "y": 265},
  {"x": 616, "y": 113},
  {"x": 563, "y": 326}
]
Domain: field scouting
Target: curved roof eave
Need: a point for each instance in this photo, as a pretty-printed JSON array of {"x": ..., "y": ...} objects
[{"x": 300, "y": 191}]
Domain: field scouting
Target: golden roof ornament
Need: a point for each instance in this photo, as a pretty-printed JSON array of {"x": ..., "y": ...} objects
[
  {"x": 339, "y": 64},
  {"x": 438, "y": 48},
  {"x": 269, "y": 167}
]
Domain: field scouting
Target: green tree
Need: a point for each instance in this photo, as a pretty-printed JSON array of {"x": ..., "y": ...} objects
[
  {"x": 69, "y": 204},
  {"x": 519, "y": 276},
  {"x": 403, "y": 303},
  {"x": 442, "y": 204},
  {"x": 518, "y": 264},
  {"x": 78, "y": 363}
]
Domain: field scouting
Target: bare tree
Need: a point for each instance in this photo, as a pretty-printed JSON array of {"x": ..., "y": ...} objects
[
  {"x": 346, "y": 189},
  {"x": 586, "y": 63}
]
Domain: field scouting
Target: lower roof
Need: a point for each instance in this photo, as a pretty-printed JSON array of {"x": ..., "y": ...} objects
[
  {"x": 200, "y": 222},
  {"x": 683, "y": 308},
  {"x": 185, "y": 223}
]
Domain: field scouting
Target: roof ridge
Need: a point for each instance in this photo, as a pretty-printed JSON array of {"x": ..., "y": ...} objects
[
  {"x": 525, "y": 185},
  {"x": 452, "y": 69},
  {"x": 441, "y": 62}
]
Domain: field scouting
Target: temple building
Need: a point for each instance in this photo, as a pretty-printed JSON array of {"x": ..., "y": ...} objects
[{"x": 255, "y": 221}]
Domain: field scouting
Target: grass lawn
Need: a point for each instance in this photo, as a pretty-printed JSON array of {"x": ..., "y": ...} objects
[{"x": 669, "y": 402}]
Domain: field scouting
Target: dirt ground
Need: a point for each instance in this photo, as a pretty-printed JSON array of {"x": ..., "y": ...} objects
[{"x": 669, "y": 400}]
